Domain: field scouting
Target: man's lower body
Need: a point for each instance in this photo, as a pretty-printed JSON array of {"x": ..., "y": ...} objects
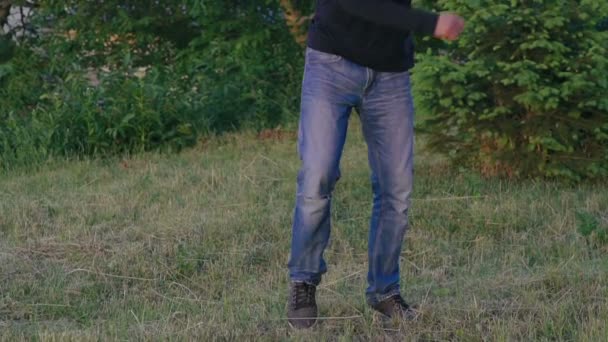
[{"x": 331, "y": 88}]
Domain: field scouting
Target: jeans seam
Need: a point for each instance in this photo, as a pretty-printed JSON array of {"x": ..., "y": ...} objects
[{"x": 382, "y": 201}]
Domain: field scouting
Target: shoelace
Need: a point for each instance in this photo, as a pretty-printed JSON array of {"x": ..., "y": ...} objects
[{"x": 303, "y": 295}]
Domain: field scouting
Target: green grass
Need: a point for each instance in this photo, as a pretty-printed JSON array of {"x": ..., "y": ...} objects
[{"x": 195, "y": 246}]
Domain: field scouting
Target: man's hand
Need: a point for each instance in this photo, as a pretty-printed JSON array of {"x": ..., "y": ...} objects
[{"x": 449, "y": 26}]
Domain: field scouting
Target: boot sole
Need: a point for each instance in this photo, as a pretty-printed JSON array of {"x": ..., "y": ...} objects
[{"x": 302, "y": 328}]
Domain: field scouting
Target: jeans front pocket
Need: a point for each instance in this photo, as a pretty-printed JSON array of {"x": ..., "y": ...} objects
[{"x": 315, "y": 56}]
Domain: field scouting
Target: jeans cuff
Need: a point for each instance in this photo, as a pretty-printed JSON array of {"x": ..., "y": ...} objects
[
  {"x": 375, "y": 298},
  {"x": 310, "y": 281}
]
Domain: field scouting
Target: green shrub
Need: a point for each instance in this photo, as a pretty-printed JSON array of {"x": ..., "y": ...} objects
[
  {"x": 122, "y": 114},
  {"x": 211, "y": 68},
  {"x": 592, "y": 229},
  {"x": 247, "y": 63},
  {"x": 523, "y": 92}
]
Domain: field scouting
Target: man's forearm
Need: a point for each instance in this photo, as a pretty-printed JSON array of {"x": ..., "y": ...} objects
[{"x": 392, "y": 14}]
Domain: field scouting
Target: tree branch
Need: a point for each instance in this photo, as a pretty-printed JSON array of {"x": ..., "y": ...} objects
[{"x": 295, "y": 21}]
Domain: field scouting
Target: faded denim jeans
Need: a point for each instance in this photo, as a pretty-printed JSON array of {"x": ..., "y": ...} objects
[{"x": 331, "y": 88}]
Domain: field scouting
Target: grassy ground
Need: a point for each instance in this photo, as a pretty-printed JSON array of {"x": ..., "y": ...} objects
[{"x": 194, "y": 246}]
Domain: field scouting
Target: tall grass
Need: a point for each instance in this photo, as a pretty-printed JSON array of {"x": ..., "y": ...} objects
[{"x": 194, "y": 246}]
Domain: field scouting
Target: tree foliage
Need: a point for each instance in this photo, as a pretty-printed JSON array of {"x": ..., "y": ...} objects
[
  {"x": 524, "y": 91},
  {"x": 103, "y": 77}
]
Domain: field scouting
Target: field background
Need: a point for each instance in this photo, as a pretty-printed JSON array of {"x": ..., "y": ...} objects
[{"x": 195, "y": 245}]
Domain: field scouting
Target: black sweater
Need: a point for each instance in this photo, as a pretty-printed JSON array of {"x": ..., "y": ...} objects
[{"x": 373, "y": 33}]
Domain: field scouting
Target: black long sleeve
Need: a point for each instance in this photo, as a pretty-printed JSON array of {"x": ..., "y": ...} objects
[
  {"x": 373, "y": 33},
  {"x": 392, "y": 14}
]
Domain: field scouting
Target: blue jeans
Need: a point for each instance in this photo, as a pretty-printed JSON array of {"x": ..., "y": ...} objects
[{"x": 331, "y": 88}]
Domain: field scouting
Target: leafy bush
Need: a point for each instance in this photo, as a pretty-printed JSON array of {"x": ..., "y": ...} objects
[
  {"x": 51, "y": 108},
  {"x": 592, "y": 229},
  {"x": 523, "y": 92},
  {"x": 122, "y": 114},
  {"x": 248, "y": 65},
  {"x": 101, "y": 78}
]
